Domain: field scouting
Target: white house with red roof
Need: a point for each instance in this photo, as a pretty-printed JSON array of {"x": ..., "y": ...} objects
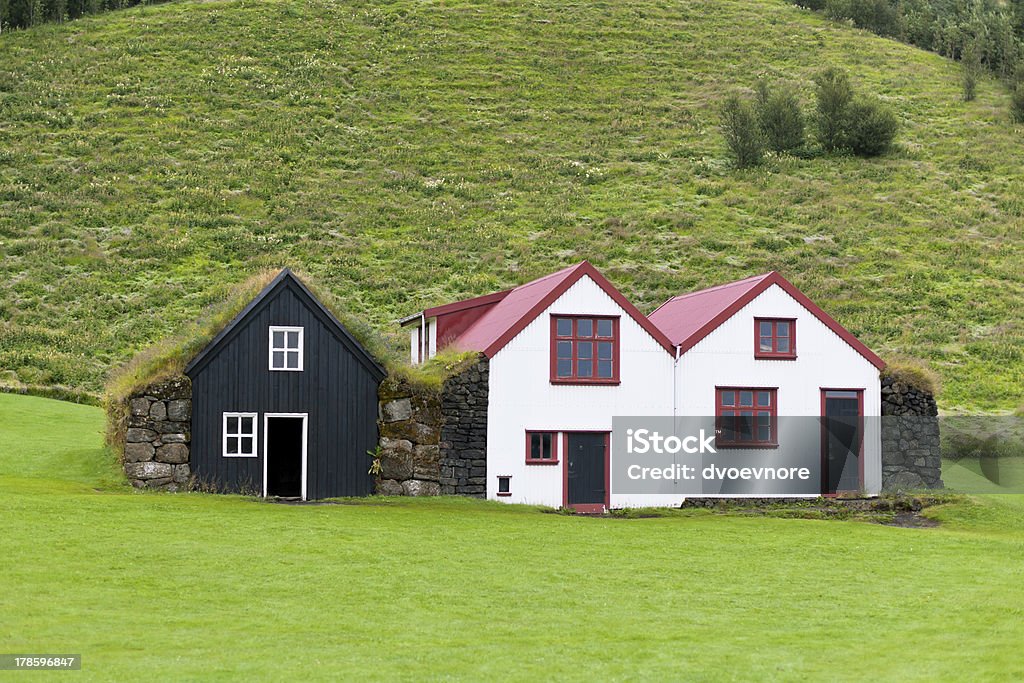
[{"x": 568, "y": 353}]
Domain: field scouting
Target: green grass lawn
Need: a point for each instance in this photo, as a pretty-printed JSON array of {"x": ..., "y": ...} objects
[
  {"x": 407, "y": 153},
  {"x": 194, "y": 586}
]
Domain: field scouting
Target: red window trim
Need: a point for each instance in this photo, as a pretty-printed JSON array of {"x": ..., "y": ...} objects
[
  {"x": 773, "y": 410},
  {"x": 554, "y": 447},
  {"x": 555, "y": 379},
  {"x": 774, "y": 355},
  {"x": 498, "y": 489}
]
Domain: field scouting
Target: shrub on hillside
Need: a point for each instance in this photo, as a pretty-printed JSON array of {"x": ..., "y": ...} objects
[
  {"x": 971, "y": 71},
  {"x": 877, "y": 16},
  {"x": 1017, "y": 103},
  {"x": 742, "y": 132},
  {"x": 870, "y": 127},
  {"x": 834, "y": 95},
  {"x": 780, "y": 118}
]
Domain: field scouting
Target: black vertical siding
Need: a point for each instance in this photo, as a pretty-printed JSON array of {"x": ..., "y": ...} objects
[{"x": 336, "y": 388}]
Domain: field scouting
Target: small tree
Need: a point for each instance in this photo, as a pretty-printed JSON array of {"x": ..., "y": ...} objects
[
  {"x": 741, "y": 131},
  {"x": 834, "y": 96},
  {"x": 971, "y": 70},
  {"x": 871, "y": 127},
  {"x": 1017, "y": 102},
  {"x": 780, "y": 118}
]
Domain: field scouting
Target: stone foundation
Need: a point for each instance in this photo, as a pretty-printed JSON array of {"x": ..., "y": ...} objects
[
  {"x": 158, "y": 435},
  {"x": 911, "y": 453}
]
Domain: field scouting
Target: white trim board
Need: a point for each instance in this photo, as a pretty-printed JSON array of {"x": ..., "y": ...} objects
[{"x": 305, "y": 439}]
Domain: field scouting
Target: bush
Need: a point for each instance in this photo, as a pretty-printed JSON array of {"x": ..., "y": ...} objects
[
  {"x": 971, "y": 71},
  {"x": 1017, "y": 103},
  {"x": 742, "y": 132},
  {"x": 780, "y": 118},
  {"x": 834, "y": 96},
  {"x": 877, "y": 16},
  {"x": 870, "y": 128}
]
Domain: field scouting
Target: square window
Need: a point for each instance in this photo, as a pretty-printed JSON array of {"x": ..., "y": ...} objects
[
  {"x": 504, "y": 486},
  {"x": 753, "y": 426},
  {"x": 239, "y": 438},
  {"x": 774, "y": 338},
  {"x": 286, "y": 348},
  {"x": 584, "y": 350},
  {"x": 540, "y": 448}
]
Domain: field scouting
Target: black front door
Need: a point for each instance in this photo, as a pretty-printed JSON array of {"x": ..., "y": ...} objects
[
  {"x": 585, "y": 469},
  {"x": 284, "y": 456},
  {"x": 842, "y": 441}
]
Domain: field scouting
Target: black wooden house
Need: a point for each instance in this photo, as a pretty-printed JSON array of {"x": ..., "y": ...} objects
[{"x": 284, "y": 401}]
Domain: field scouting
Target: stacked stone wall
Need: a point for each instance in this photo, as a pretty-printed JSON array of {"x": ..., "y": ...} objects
[{"x": 159, "y": 434}]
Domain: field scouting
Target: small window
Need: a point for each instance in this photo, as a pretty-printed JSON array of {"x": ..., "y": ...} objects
[
  {"x": 584, "y": 350},
  {"x": 504, "y": 486},
  {"x": 240, "y": 435},
  {"x": 286, "y": 348},
  {"x": 541, "y": 448},
  {"x": 746, "y": 418},
  {"x": 775, "y": 338}
]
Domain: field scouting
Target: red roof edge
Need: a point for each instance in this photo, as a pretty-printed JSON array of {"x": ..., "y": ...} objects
[
  {"x": 455, "y": 306},
  {"x": 581, "y": 269},
  {"x": 775, "y": 278}
]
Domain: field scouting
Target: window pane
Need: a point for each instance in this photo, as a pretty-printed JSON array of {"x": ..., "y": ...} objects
[
  {"x": 765, "y": 345},
  {"x": 232, "y": 444},
  {"x": 604, "y": 328},
  {"x": 764, "y": 398},
  {"x": 278, "y": 340},
  {"x": 746, "y": 398},
  {"x": 783, "y": 345},
  {"x": 584, "y": 368},
  {"x": 278, "y": 359},
  {"x": 545, "y": 451},
  {"x": 535, "y": 446},
  {"x": 782, "y": 329},
  {"x": 604, "y": 369},
  {"x": 293, "y": 360},
  {"x": 585, "y": 350},
  {"x": 584, "y": 327},
  {"x": 232, "y": 425},
  {"x": 745, "y": 426},
  {"x": 293, "y": 340},
  {"x": 503, "y": 484},
  {"x": 727, "y": 424},
  {"x": 246, "y": 425},
  {"x": 764, "y": 433},
  {"x": 564, "y": 367},
  {"x": 604, "y": 350},
  {"x": 765, "y": 329},
  {"x": 564, "y": 327},
  {"x": 246, "y": 444},
  {"x": 728, "y": 398},
  {"x": 564, "y": 349}
]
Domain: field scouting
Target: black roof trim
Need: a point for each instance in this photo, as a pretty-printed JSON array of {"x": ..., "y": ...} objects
[{"x": 286, "y": 276}]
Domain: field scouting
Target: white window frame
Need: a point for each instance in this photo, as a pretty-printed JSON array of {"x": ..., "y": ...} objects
[
  {"x": 286, "y": 348},
  {"x": 224, "y": 435}
]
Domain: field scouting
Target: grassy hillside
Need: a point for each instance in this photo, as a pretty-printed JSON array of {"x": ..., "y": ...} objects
[
  {"x": 225, "y": 587},
  {"x": 407, "y": 153}
]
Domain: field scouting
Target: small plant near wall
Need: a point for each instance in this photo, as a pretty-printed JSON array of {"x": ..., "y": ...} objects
[{"x": 375, "y": 466}]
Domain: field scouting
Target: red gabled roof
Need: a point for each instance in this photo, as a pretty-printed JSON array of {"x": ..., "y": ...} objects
[
  {"x": 688, "y": 318},
  {"x": 520, "y": 306}
]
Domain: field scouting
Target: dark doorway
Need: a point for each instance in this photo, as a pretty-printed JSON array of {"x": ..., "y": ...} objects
[
  {"x": 586, "y": 481},
  {"x": 285, "y": 437},
  {"x": 842, "y": 438}
]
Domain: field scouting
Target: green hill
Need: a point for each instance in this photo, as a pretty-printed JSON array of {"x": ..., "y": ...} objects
[{"x": 408, "y": 153}]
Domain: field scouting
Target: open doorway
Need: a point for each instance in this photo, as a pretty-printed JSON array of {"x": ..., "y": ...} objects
[{"x": 284, "y": 455}]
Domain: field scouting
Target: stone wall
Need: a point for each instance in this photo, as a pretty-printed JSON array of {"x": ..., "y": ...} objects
[
  {"x": 911, "y": 454},
  {"x": 410, "y": 431},
  {"x": 433, "y": 441},
  {"x": 464, "y": 431},
  {"x": 158, "y": 435}
]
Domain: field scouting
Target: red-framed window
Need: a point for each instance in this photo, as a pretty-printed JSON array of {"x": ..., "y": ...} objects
[
  {"x": 775, "y": 338},
  {"x": 584, "y": 349},
  {"x": 541, "y": 448},
  {"x": 746, "y": 417},
  {"x": 504, "y": 486}
]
